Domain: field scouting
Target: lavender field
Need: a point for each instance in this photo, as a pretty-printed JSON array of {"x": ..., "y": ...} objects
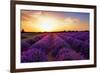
[{"x": 54, "y": 46}]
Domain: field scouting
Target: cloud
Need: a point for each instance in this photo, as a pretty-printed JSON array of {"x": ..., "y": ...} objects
[{"x": 70, "y": 20}]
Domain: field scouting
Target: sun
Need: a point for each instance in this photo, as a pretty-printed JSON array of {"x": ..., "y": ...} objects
[
  {"x": 46, "y": 27},
  {"x": 47, "y": 24}
]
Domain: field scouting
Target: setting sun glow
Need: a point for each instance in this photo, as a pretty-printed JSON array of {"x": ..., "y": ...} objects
[
  {"x": 47, "y": 24},
  {"x": 46, "y": 27}
]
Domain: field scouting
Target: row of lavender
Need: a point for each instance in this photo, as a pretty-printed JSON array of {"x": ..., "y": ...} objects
[{"x": 58, "y": 46}]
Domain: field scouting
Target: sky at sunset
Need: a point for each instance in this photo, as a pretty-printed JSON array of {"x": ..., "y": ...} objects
[{"x": 52, "y": 21}]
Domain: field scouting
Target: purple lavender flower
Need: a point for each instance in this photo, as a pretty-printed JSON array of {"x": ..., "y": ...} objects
[{"x": 33, "y": 55}]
